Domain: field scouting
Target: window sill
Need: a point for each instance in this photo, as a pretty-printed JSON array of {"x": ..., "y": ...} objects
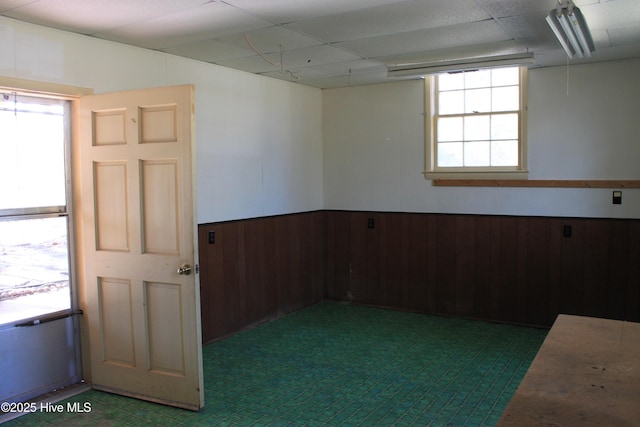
[
  {"x": 508, "y": 175},
  {"x": 536, "y": 183}
]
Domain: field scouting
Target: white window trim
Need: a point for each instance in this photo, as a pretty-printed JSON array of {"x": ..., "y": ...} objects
[
  {"x": 43, "y": 89},
  {"x": 432, "y": 172}
]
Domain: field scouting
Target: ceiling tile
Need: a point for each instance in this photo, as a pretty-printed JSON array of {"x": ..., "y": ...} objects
[
  {"x": 265, "y": 41},
  {"x": 426, "y": 40},
  {"x": 624, "y": 36},
  {"x": 532, "y": 28},
  {"x": 502, "y": 8},
  {"x": 208, "y": 21},
  {"x": 270, "y": 40},
  {"x": 210, "y": 51},
  {"x": 559, "y": 58},
  {"x": 253, "y": 64},
  {"x": 620, "y": 52},
  {"x": 316, "y": 55},
  {"x": 11, "y": 4},
  {"x": 402, "y": 17},
  {"x": 293, "y": 59},
  {"x": 349, "y": 70},
  {"x": 581, "y": 3},
  {"x": 298, "y": 76},
  {"x": 506, "y": 47},
  {"x": 600, "y": 38},
  {"x": 93, "y": 16},
  {"x": 286, "y": 11},
  {"x": 553, "y": 57},
  {"x": 352, "y": 68},
  {"x": 614, "y": 14},
  {"x": 346, "y": 81}
]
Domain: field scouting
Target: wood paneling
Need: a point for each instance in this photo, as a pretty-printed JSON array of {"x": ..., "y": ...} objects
[
  {"x": 258, "y": 269},
  {"x": 500, "y": 268},
  {"x": 338, "y": 270},
  {"x": 510, "y": 269},
  {"x": 633, "y": 273}
]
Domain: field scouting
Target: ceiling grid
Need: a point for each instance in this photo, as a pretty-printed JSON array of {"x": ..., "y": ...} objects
[{"x": 334, "y": 43}]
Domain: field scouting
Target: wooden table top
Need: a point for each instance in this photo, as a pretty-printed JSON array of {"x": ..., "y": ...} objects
[{"x": 587, "y": 373}]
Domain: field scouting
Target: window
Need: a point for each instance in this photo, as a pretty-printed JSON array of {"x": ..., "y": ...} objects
[
  {"x": 476, "y": 123},
  {"x": 34, "y": 243}
]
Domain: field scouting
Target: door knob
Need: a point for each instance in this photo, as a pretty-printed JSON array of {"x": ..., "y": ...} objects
[{"x": 185, "y": 270}]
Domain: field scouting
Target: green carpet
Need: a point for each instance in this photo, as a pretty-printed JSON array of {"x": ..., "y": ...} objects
[{"x": 335, "y": 364}]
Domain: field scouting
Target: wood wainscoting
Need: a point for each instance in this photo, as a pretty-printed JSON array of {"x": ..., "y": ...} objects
[
  {"x": 258, "y": 269},
  {"x": 521, "y": 270},
  {"x": 513, "y": 269}
]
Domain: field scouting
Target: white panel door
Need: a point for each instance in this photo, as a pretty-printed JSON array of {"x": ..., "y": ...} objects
[{"x": 137, "y": 244}]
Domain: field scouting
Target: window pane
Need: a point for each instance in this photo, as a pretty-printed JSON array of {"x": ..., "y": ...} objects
[
  {"x": 477, "y": 128},
  {"x": 451, "y": 102},
  {"x": 31, "y": 160},
  {"x": 505, "y": 99},
  {"x": 449, "y": 129},
  {"x": 34, "y": 269},
  {"x": 450, "y": 154},
  {"x": 478, "y": 119},
  {"x": 11, "y": 104},
  {"x": 504, "y": 126},
  {"x": 505, "y": 76},
  {"x": 476, "y": 79},
  {"x": 477, "y": 100},
  {"x": 451, "y": 81},
  {"x": 504, "y": 153},
  {"x": 477, "y": 153}
]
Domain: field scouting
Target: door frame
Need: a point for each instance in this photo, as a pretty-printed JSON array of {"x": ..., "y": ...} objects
[{"x": 63, "y": 322}]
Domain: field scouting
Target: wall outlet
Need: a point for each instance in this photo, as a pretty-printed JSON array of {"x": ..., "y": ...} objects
[{"x": 617, "y": 197}]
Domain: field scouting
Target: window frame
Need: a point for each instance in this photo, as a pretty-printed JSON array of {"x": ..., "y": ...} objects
[
  {"x": 21, "y": 101},
  {"x": 432, "y": 171}
]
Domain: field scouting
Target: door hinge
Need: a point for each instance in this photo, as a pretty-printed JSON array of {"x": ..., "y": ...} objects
[{"x": 197, "y": 269}]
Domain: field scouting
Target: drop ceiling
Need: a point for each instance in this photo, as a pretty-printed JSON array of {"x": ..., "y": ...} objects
[{"x": 336, "y": 43}]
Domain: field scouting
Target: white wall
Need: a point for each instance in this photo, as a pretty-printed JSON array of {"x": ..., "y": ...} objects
[
  {"x": 259, "y": 140},
  {"x": 584, "y": 126}
]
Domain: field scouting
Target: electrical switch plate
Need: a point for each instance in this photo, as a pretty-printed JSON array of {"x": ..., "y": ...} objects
[
  {"x": 566, "y": 231},
  {"x": 370, "y": 223},
  {"x": 212, "y": 237},
  {"x": 617, "y": 197}
]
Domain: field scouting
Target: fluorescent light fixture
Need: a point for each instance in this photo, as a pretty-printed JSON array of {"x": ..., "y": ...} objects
[
  {"x": 466, "y": 64},
  {"x": 571, "y": 30}
]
